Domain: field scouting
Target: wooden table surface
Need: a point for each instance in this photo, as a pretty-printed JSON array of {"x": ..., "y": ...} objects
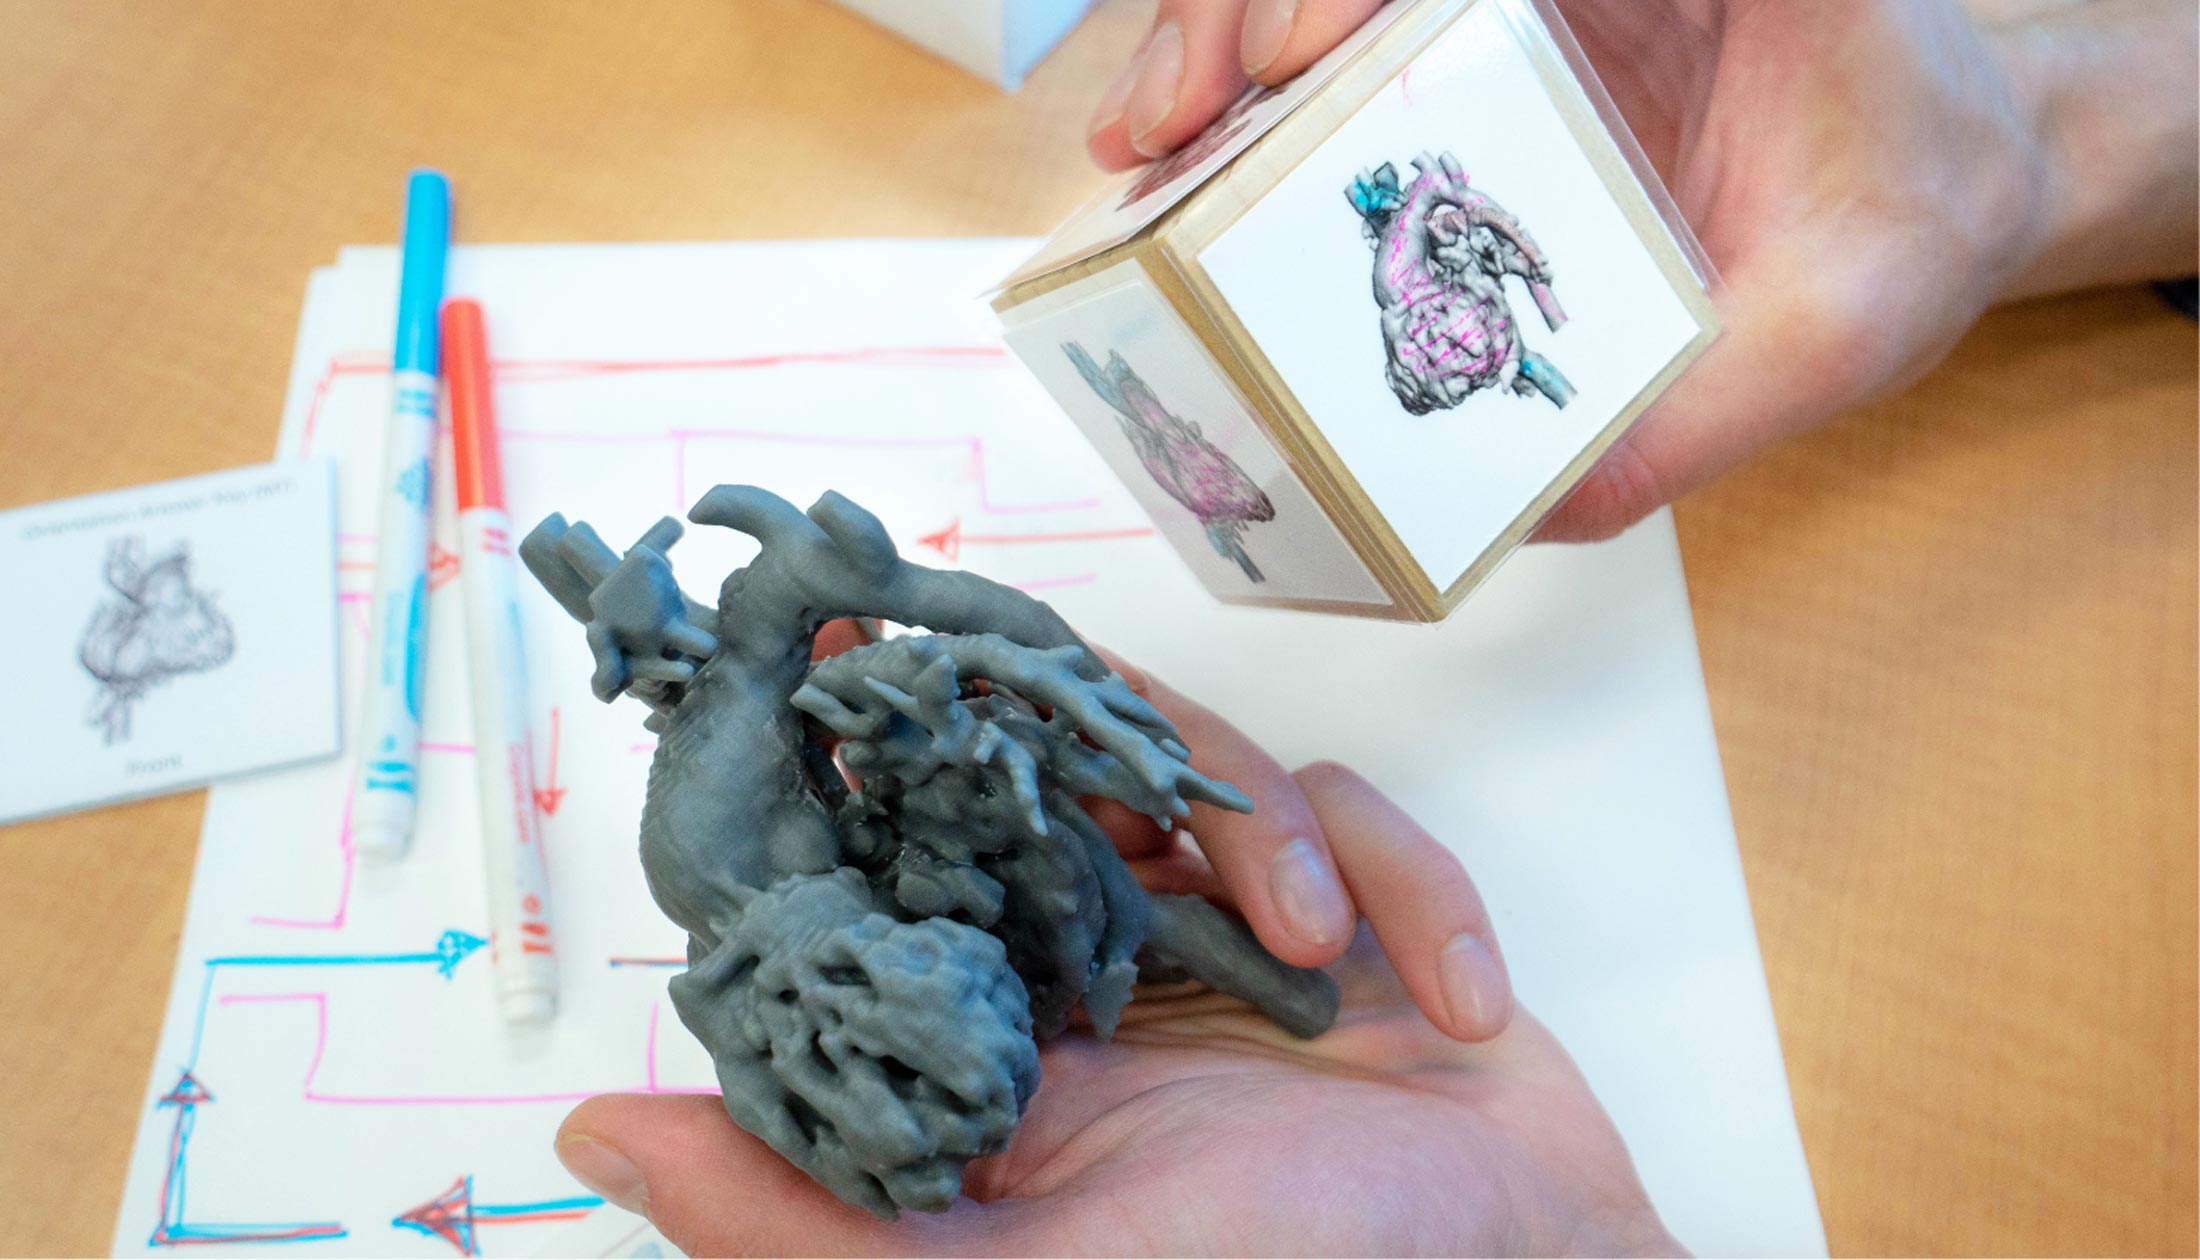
[{"x": 1950, "y": 641}]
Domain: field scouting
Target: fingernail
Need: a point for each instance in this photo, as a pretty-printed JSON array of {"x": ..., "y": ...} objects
[
  {"x": 1475, "y": 986},
  {"x": 1153, "y": 96},
  {"x": 1308, "y": 895},
  {"x": 1110, "y": 108},
  {"x": 1267, "y": 30},
  {"x": 600, "y": 1167}
]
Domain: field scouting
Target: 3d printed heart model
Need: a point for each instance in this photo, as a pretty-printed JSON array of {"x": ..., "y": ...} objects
[
  {"x": 889, "y": 887},
  {"x": 1442, "y": 252}
]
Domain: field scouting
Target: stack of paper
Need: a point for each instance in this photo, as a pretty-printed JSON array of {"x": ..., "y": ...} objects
[{"x": 333, "y": 1075}]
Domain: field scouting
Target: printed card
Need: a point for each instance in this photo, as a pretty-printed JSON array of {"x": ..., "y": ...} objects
[{"x": 166, "y": 635}]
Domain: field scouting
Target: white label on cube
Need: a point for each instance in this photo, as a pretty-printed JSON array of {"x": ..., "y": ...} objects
[
  {"x": 1151, "y": 399},
  {"x": 1459, "y": 331}
]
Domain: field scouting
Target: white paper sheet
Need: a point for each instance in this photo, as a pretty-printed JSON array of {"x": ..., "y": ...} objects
[
  {"x": 348, "y": 1095},
  {"x": 165, "y": 635}
]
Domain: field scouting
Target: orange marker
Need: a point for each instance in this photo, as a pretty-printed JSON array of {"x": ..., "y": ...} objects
[{"x": 520, "y": 939}]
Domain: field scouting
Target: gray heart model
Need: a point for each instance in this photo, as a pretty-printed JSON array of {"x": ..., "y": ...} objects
[{"x": 890, "y": 890}]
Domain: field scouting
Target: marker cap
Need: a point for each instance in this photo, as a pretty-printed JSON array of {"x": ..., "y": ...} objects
[
  {"x": 382, "y": 839},
  {"x": 527, "y": 1008},
  {"x": 420, "y": 282},
  {"x": 473, "y": 407}
]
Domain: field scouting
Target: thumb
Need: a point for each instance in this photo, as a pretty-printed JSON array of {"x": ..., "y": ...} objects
[
  {"x": 1784, "y": 364},
  {"x": 715, "y": 1190}
]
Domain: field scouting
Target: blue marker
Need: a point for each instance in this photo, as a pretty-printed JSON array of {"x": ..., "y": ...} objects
[{"x": 389, "y": 747}]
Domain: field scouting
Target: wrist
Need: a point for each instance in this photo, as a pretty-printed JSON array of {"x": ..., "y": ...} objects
[
  {"x": 2106, "y": 92},
  {"x": 1643, "y": 1237},
  {"x": 1624, "y": 1224},
  {"x": 2026, "y": 65}
]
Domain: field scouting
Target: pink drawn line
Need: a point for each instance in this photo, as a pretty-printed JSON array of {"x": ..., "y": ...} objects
[
  {"x": 975, "y": 445},
  {"x": 552, "y": 370},
  {"x": 826, "y": 439},
  {"x": 1046, "y": 584},
  {"x": 320, "y": 1049},
  {"x": 350, "y": 861},
  {"x": 368, "y": 364},
  {"x": 583, "y": 439},
  {"x": 985, "y": 501},
  {"x": 939, "y": 356},
  {"x": 344, "y": 849}
]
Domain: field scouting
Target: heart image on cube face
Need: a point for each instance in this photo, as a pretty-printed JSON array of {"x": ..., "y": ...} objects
[
  {"x": 1443, "y": 251},
  {"x": 1189, "y": 468}
]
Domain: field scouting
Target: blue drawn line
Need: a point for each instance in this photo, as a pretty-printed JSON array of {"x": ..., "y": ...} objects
[
  {"x": 450, "y": 950},
  {"x": 453, "y": 1215},
  {"x": 187, "y": 1097},
  {"x": 578, "y": 1203},
  {"x": 188, "y": 1094}
]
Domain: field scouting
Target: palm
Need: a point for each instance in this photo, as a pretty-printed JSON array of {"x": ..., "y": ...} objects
[
  {"x": 1202, "y": 1130},
  {"x": 1761, "y": 114},
  {"x": 1433, "y": 1117},
  {"x": 1422, "y": 1144}
]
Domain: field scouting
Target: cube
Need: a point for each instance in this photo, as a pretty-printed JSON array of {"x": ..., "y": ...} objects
[
  {"x": 1000, "y": 40},
  {"x": 1355, "y": 341}
]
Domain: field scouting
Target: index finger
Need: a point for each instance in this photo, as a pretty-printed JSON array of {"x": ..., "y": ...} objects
[
  {"x": 1275, "y": 862},
  {"x": 1183, "y": 75},
  {"x": 1421, "y": 903},
  {"x": 1283, "y": 37}
]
